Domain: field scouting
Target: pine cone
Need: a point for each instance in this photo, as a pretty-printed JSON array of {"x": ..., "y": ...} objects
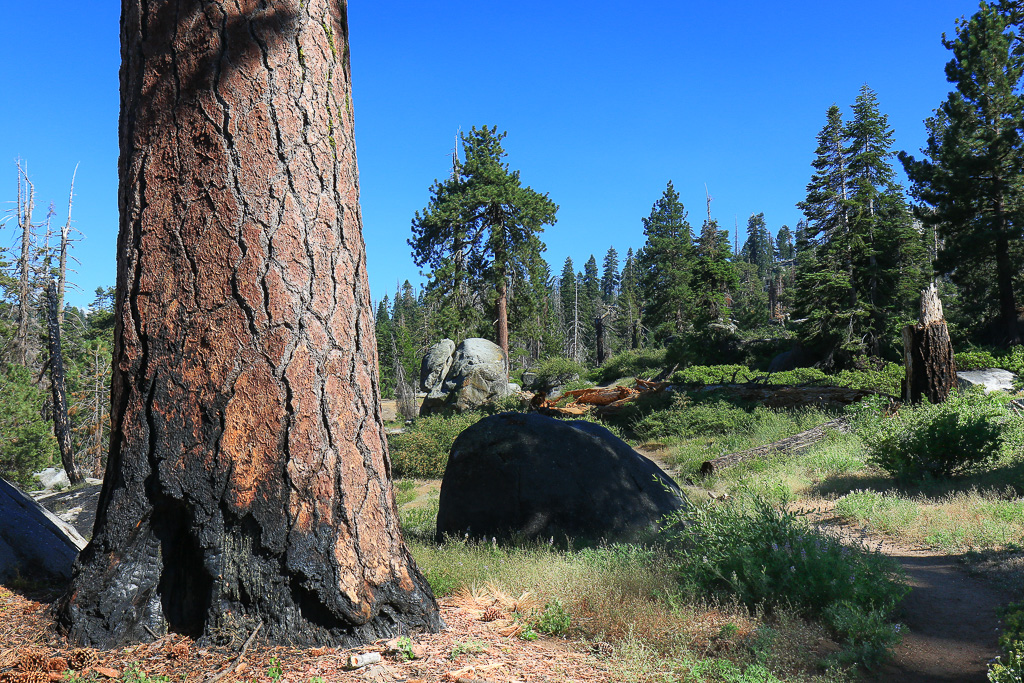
[
  {"x": 35, "y": 677},
  {"x": 491, "y": 614},
  {"x": 9, "y": 677},
  {"x": 58, "y": 664},
  {"x": 83, "y": 659},
  {"x": 32, "y": 660}
]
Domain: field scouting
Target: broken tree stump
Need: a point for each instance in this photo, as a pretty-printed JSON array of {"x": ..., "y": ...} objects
[
  {"x": 791, "y": 444},
  {"x": 928, "y": 353}
]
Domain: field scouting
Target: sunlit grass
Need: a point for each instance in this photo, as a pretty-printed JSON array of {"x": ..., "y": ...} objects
[{"x": 958, "y": 521}]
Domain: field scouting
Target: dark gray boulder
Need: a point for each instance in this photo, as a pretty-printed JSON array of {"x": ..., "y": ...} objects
[
  {"x": 34, "y": 543},
  {"x": 517, "y": 476}
]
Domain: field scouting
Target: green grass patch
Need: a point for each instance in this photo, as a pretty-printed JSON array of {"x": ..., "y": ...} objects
[
  {"x": 954, "y": 522},
  {"x": 644, "y": 363}
]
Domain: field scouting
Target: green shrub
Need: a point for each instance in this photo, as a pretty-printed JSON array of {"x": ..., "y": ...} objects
[
  {"x": 552, "y": 372},
  {"x": 1013, "y": 626},
  {"x": 979, "y": 359},
  {"x": 1010, "y": 667},
  {"x": 553, "y": 619},
  {"x": 645, "y": 363},
  {"x": 956, "y": 437},
  {"x": 689, "y": 418},
  {"x": 760, "y": 554},
  {"x": 867, "y": 634},
  {"x": 975, "y": 360},
  {"x": 421, "y": 451},
  {"x": 1010, "y": 671},
  {"x": 887, "y": 379}
]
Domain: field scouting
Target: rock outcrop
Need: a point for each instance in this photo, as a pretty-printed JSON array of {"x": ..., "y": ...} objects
[
  {"x": 992, "y": 379},
  {"x": 475, "y": 373},
  {"x": 520, "y": 477}
]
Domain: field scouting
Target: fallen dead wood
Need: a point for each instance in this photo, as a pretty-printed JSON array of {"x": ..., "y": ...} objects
[
  {"x": 601, "y": 396},
  {"x": 792, "y": 444},
  {"x": 790, "y": 396}
]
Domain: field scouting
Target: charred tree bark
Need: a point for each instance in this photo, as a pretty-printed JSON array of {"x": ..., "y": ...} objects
[
  {"x": 928, "y": 354},
  {"x": 248, "y": 477},
  {"x": 61, "y": 424}
]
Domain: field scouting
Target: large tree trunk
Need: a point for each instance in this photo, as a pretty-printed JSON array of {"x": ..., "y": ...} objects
[
  {"x": 501, "y": 323},
  {"x": 928, "y": 353},
  {"x": 248, "y": 478},
  {"x": 58, "y": 390}
]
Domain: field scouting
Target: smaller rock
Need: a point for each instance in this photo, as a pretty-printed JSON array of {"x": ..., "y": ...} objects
[
  {"x": 53, "y": 477},
  {"x": 530, "y": 380},
  {"x": 478, "y": 375},
  {"x": 436, "y": 364},
  {"x": 991, "y": 379}
]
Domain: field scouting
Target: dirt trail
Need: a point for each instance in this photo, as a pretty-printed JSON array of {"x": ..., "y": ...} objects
[{"x": 950, "y": 616}]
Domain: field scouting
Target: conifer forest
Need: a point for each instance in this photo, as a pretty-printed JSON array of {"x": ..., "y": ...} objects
[{"x": 739, "y": 451}]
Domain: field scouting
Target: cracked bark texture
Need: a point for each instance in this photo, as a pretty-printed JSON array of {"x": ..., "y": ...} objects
[{"x": 248, "y": 477}]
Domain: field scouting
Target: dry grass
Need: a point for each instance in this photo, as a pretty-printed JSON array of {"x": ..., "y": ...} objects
[
  {"x": 956, "y": 521},
  {"x": 623, "y": 599}
]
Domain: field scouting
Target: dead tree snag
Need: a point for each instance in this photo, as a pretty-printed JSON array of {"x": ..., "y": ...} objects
[
  {"x": 928, "y": 353},
  {"x": 248, "y": 479}
]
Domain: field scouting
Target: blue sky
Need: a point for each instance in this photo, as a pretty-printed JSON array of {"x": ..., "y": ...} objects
[{"x": 603, "y": 103}]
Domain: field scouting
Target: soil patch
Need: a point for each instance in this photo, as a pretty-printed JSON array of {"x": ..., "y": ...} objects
[{"x": 951, "y": 616}]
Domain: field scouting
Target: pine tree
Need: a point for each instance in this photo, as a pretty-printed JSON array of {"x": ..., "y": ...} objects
[
  {"x": 569, "y": 291},
  {"x": 248, "y": 480},
  {"x": 629, "y": 302},
  {"x": 860, "y": 262},
  {"x": 757, "y": 250},
  {"x": 384, "y": 333},
  {"x": 826, "y": 301},
  {"x": 665, "y": 265},
  {"x": 714, "y": 275},
  {"x": 610, "y": 276},
  {"x": 784, "y": 249},
  {"x": 483, "y": 222},
  {"x": 971, "y": 177}
]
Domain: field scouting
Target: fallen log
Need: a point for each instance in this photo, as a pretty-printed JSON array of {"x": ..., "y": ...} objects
[
  {"x": 790, "y": 396},
  {"x": 791, "y": 444},
  {"x": 562, "y": 411},
  {"x": 601, "y": 396}
]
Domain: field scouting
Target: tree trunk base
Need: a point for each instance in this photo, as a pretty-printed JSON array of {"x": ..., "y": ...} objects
[{"x": 928, "y": 354}]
